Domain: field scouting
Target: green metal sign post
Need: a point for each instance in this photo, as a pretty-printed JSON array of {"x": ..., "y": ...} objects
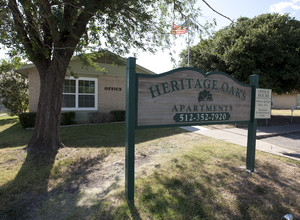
[
  {"x": 252, "y": 125},
  {"x": 130, "y": 128},
  {"x": 185, "y": 97}
]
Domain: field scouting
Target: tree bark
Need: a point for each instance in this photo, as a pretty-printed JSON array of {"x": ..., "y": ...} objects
[
  {"x": 46, "y": 135},
  {"x": 51, "y": 57}
]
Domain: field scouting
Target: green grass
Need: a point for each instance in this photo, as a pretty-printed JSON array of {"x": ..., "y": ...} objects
[
  {"x": 207, "y": 183},
  {"x": 11, "y": 133},
  {"x": 285, "y": 112},
  {"x": 179, "y": 175}
]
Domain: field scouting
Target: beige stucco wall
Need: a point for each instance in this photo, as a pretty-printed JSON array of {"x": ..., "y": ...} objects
[{"x": 284, "y": 101}]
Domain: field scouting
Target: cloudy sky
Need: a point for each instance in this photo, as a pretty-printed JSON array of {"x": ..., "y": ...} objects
[
  {"x": 231, "y": 8},
  {"x": 161, "y": 62},
  {"x": 286, "y": 6}
]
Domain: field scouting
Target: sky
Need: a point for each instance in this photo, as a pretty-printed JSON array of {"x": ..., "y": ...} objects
[{"x": 161, "y": 61}]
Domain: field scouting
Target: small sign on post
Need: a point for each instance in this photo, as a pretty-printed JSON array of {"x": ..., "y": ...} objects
[{"x": 263, "y": 102}]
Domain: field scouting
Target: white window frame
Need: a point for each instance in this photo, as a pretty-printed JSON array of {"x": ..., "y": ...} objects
[{"x": 77, "y": 108}]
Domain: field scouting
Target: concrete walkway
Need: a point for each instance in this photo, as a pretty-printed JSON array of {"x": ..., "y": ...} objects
[{"x": 239, "y": 136}]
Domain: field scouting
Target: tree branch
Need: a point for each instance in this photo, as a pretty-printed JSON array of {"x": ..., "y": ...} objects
[
  {"x": 33, "y": 29},
  {"x": 48, "y": 26},
  {"x": 70, "y": 39},
  {"x": 217, "y": 11},
  {"x": 20, "y": 27},
  {"x": 47, "y": 15}
]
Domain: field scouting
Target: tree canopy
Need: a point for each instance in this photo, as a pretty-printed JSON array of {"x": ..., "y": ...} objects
[
  {"x": 39, "y": 29},
  {"x": 48, "y": 32},
  {"x": 13, "y": 88},
  {"x": 267, "y": 45}
]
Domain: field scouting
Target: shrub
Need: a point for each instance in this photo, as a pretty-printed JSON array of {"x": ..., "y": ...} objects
[
  {"x": 13, "y": 87},
  {"x": 27, "y": 119},
  {"x": 99, "y": 117},
  {"x": 117, "y": 115},
  {"x": 14, "y": 93},
  {"x": 67, "y": 118}
]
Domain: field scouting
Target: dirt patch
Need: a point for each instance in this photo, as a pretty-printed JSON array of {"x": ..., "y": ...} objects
[
  {"x": 89, "y": 180},
  {"x": 87, "y": 185}
]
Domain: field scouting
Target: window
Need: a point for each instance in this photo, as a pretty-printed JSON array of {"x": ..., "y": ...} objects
[
  {"x": 80, "y": 94},
  {"x": 69, "y": 94}
]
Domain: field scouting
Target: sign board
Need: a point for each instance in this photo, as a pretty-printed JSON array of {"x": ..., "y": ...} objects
[
  {"x": 186, "y": 96},
  {"x": 263, "y": 102},
  {"x": 189, "y": 96}
]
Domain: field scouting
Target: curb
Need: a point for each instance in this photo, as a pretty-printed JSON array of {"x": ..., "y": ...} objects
[{"x": 275, "y": 134}]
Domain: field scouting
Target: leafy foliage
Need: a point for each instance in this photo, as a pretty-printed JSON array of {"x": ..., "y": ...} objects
[
  {"x": 49, "y": 32},
  {"x": 13, "y": 89},
  {"x": 117, "y": 115},
  {"x": 39, "y": 29},
  {"x": 67, "y": 118},
  {"x": 27, "y": 119},
  {"x": 267, "y": 45}
]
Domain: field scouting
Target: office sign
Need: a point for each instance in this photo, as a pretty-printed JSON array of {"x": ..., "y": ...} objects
[{"x": 189, "y": 96}]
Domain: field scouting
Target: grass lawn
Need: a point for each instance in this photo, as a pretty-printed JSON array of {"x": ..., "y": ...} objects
[
  {"x": 179, "y": 175},
  {"x": 285, "y": 112}
]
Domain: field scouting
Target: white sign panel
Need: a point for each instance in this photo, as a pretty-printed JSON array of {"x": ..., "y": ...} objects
[{"x": 263, "y": 103}]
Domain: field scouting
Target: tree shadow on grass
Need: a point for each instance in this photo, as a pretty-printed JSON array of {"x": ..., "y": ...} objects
[
  {"x": 267, "y": 194},
  {"x": 224, "y": 193},
  {"x": 110, "y": 135},
  {"x": 168, "y": 197},
  {"x": 29, "y": 187},
  {"x": 31, "y": 197},
  {"x": 14, "y": 136},
  {"x": 134, "y": 211},
  {"x": 77, "y": 196},
  {"x": 8, "y": 121},
  {"x": 28, "y": 192},
  {"x": 106, "y": 135},
  {"x": 74, "y": 196}
]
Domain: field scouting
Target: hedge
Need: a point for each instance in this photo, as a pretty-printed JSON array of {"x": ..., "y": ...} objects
[
  {"x": 117, "y": 115},
  {"x": 27, "y": 119},
  {"x": 67, "y": 118}
]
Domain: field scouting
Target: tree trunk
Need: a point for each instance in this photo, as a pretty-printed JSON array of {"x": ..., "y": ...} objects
[{"x": 46, "y": 135}]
